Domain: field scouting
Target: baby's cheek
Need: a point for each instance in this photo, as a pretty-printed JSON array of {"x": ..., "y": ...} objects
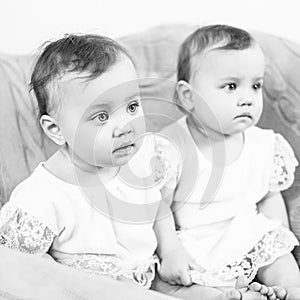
[
  {"x": 139, "y": 124},
  {"x": 89, "y": 143},
  {"x": 102, "y": 148}
]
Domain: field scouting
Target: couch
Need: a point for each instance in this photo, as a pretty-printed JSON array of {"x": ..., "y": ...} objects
[{"x": 23, "y": 146}]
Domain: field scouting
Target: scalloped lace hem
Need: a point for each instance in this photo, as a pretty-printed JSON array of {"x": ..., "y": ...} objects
[
  {"x": 112, "y": 266},
  {"x": 273, "y": 245}
]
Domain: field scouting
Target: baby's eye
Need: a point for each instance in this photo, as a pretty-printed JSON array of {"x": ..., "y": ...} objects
[
  {"x": 133, "y": 107},
  {"x": 258, "y": 86},
  {"x": 230, "y": 86},
  {"x": 102, "y": 116}
]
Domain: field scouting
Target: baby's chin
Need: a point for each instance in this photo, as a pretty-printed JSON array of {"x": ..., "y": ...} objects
[
  {"x": 228, "y": 133},
  {"x": 121, "y": 160},
  {"x": 241, "y": 127}
]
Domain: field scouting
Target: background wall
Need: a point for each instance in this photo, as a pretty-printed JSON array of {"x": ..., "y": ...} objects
[{"x": 25, "y": 25}]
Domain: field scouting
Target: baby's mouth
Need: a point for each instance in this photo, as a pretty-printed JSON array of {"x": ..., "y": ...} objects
[
  {"x": 244, "y": 115},
  {"x": 124, "y": 147}
]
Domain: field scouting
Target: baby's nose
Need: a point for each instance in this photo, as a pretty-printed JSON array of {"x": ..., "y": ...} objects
[
  {"x": 245, "y": 101},
  {"x": 118, "y": 132}
]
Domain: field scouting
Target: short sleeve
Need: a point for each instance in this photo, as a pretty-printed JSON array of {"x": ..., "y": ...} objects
[
  {"x": 283, "y": 167},
  {"x": 24, "y": 232},
  {"x": 168, "y": 162}
]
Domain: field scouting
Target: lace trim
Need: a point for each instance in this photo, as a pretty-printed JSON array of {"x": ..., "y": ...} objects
[
  {"x": 166, "y": 172},
  {"x": 284, "y": 164},
  {"x": 112, "y": 266},
  {"x": 273, "y": 245},
  {"x": 21, "y": 231}
]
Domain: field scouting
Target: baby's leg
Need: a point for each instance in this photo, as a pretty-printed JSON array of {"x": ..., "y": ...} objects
[
  {"x": 284, "y": 272},
  {"x": 193, "y": 292},
  {"x": 198, "y": 292}
]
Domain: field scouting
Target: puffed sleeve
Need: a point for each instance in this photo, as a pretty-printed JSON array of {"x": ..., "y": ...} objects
[
  {"x": 284, "y": 165},
  {"x": 24, "y": 232},
  {"x": 168, "y": 162}
]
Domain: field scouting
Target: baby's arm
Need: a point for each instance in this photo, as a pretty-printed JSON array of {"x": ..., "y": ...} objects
[
  {"x": 273, "y": 207},
  {"x": 281, "y": 178},
  {"x": 175, "y": 262}
]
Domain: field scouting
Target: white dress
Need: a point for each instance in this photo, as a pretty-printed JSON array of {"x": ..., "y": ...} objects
[
  {"x": 48, "y": 215},
  {"x": 227, "y": 235}
]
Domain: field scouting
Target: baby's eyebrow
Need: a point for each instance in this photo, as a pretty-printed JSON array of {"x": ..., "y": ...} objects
[
  {"x": 237, "y": 78},
  {"x": 259, "y": 78},
  {"x": 134, "y": 96},
  {"x": 107, "y": 105},
  {"x": 96, "y": 107},
  {"x": 233, "y": 78}
]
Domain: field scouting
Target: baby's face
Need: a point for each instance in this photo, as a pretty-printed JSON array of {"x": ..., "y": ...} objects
[
  {"x": 227, "y": 88},
  {"x": 102, "y": 119}
]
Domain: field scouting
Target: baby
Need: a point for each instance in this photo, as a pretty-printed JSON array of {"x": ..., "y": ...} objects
[
  {"x": 78, "y": 205},
  {"x": 227, "y": 204}
]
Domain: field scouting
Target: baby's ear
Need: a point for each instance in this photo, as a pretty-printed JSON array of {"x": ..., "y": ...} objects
[
  {"x": 52, "y": 130},
  {"x": 185, "y": 95}
]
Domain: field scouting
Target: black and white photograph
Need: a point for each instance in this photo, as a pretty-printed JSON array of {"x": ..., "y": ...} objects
[{"x": 150, "y": 150}]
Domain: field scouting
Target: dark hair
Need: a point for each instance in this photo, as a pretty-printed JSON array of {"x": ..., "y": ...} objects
[
  {"x": 89, "y": 53},
  {"x": 228, "y": 37}
]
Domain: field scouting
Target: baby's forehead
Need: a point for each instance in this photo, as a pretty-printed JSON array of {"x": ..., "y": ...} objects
[
  {"x": 218, "y": 57},
  {"x": 69, "y": 84},
  {"x": 63, "y": 87},
  {"x": 81, "y": 89}
]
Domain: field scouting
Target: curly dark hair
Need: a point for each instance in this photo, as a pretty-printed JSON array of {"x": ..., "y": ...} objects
[{"x": 90, "y": 54}]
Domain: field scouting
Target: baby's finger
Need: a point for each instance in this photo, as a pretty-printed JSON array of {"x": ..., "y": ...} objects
[
  {"x": 178, "y": 281},
  {"x": 194, "y": 266},
  {"x": 167, "y": 279},
  {"x": 185, "y": 279},
  {"x": 171, "y": 282}
]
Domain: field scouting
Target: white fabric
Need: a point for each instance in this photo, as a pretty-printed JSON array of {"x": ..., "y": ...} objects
[
  {"x": 273, "y": 245},
  {"x": 46, "y": 212},
  {"x": 229, "y": 226},
  {"x": 24, "y": 232}
]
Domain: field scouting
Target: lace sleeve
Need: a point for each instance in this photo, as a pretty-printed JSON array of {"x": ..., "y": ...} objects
[
  {"x": 19, "y": 230},
  {"x": 168, "y": 164},
  {"x": 284, "y": 165}
]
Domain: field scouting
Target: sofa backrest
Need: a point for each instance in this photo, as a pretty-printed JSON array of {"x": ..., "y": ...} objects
[{"x": 22, "y": 144}]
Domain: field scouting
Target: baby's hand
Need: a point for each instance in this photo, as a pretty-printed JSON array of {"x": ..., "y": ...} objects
[{"x": 175, "y": 267}]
